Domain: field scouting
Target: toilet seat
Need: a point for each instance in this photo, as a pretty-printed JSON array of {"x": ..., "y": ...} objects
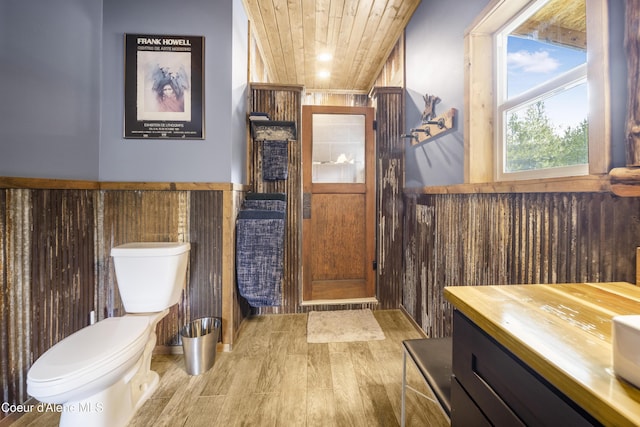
[{"x": 113, "y": 344}]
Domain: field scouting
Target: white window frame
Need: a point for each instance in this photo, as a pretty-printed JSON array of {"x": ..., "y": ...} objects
[{"x": 481, "y": 58}]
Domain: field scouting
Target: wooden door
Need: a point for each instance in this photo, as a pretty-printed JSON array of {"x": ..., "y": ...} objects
[{"x": 338, "y": 231}]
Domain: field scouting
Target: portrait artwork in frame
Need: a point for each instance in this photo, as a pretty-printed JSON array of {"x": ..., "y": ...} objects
[{"x": 164, "y": 87}]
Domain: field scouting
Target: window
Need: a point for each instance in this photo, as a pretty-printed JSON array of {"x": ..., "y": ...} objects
[
  {"x": 548, "y": 100},
  {"x": 338, "y": 148}
]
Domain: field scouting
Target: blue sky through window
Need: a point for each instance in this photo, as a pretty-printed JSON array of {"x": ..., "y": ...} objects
[{"x": 532, "y": 62}]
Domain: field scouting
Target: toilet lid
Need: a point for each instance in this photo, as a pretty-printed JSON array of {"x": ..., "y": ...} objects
[{"x": 110, "y": 341}]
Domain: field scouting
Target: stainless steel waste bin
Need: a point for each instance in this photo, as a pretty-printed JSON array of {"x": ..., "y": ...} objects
[{"x": 199, "y": 339}]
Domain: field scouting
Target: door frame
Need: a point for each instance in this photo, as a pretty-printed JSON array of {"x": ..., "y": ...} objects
[{"x": 368, "y": 188}]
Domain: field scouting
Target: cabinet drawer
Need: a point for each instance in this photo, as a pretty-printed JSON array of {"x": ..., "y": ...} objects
[
  {"x": 507, "y": 391},
  {"x": 464, "y": 411}
]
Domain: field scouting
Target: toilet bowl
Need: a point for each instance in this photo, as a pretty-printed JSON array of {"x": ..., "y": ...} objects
[{"x": 100, "y": 375}]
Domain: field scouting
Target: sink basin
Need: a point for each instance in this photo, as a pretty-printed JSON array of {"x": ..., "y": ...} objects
[{"x": 626, "y": 348}]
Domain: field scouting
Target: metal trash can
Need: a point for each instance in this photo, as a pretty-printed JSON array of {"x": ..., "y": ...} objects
[{"x": 199, "y": 340}]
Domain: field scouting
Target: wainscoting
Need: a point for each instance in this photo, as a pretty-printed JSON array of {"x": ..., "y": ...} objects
[
  {"x": 56, "y": 266},
  {"x": 515, "y": 238}
]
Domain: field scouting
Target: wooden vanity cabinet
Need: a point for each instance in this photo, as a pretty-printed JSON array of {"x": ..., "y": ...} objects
[{"x": 491, "y": 386}]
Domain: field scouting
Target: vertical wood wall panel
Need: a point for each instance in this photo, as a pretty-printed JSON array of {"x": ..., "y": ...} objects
[
  {"x": 144, "y": 216},
  {"x": 62, "y": 255},
  {"x": 55, "y": 264},
  {"x": 234, "y": 308},
  {"x": 283, "y": 103},
  {"x": 5, "y": 370},
  {"x": 205, "y": 236},
  {"x": 484, "y": 239},
  {"x": 47, "y": 273},
  {"x": 184, "y": 216},
  {"x": 392, "y": 73},
  {"x": 15, "y": 343},
  {"x": 390, "y": 184},
  {"x": 19, "y": 285}
]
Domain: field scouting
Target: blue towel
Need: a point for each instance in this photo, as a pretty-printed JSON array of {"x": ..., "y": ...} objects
[
  {"x": 265, "y": 205},
  {"x": 275, "y": 160},
  {"x": 259, "y": 251},
  {"x": 266, "y": 196}
]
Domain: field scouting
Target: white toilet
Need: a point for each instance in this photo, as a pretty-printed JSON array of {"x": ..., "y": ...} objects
[{"x": 100, "y": 375}]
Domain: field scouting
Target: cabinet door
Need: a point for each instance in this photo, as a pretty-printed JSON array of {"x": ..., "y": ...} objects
[
  {"x": 506, "y": 390},
  {"x": 464, "y": 411}
]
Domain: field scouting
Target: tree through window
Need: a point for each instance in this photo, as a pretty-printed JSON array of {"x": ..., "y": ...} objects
[
  {"x": 542, "y": 102},
  {"x": 537, "y": 87}
]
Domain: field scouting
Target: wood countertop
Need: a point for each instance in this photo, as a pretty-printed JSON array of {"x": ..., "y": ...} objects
[{"x": 564, "y": 333}]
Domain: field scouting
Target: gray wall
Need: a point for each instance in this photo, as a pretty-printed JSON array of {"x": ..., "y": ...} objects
[
  {"x": 62, "y": 68},
  {"x": 208, "y": 160},
  {"x": 618, "y": 74},
  {"x": 435, "y": 65},
  {"x": 50, "y": 74},
  {"x": 239, "y": 91}
]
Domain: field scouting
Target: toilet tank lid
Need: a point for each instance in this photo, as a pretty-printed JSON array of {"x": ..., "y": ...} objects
[{"x": 139, "y": 249}]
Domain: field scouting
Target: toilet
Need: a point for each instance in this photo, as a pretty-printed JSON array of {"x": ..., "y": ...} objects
[{"x": 100, "y": 375}]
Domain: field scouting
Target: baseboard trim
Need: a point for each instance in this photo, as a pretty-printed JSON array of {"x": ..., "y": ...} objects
[
  {"x": 371, "y": 300},
  {"x": 413, "y": 321}
]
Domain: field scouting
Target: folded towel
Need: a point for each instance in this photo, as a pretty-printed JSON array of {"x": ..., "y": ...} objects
[
  {"x": 265, "y": 205},
  {"x": 259, "y": 254},
  {"x": 266, "y": 196},
  {"x": 275, "y": 160}
]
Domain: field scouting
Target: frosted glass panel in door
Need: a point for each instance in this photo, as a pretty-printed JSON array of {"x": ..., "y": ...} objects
[{"x": 338, "y": 148}]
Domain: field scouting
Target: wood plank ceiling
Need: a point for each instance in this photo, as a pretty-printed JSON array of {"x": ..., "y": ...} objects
[
  {"x": 559, "y": 21},
  {"x": 293, "y": 36}
]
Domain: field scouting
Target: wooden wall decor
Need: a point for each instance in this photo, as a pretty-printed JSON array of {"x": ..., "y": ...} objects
[
  {"x": 432, "y": 125},
  {"x": 430, "y": 129},
  {"x": 512, "y": 238}
]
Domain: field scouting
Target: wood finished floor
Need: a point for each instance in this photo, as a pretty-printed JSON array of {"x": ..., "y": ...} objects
[{"x": 273, "y": 377}]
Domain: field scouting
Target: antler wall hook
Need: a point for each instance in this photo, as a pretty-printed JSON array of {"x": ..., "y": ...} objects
[
  {"x": 429, "y": 111},
  {"x": 442, "y": 123}
]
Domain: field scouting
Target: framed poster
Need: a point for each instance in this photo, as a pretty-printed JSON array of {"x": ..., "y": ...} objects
[{"x": 164, "y": 87}]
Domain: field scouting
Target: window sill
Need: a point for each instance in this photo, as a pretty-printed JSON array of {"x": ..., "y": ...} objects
[{"x": 585, "y": 184}]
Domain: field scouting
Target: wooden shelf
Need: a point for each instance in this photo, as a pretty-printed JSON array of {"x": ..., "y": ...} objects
[{"x": 273, "y": 130}]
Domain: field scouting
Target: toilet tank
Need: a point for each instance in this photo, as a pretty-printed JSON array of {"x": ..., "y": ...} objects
[{"x": 150, "y": 275}]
